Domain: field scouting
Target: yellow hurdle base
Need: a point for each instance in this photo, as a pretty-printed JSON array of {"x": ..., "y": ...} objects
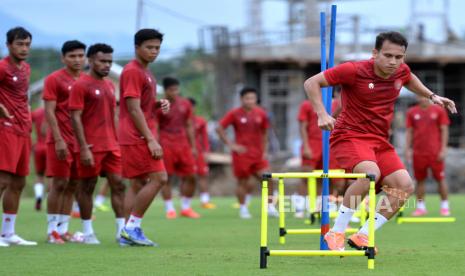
[
  {"x": 424, "y": 220},
  {"x": 313, "y": 231},
  {"x": 294, "y": 253}
]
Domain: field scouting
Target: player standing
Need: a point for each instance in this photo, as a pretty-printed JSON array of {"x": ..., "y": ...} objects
[{"x": 40, "y": 154}]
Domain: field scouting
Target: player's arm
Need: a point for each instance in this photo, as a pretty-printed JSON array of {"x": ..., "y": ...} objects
[
  {"x": 408, "y": 144},
  {"x": 417, "y": 87},
  {"x": 61, "y": 148},
  {"x": 86, "y": 155},
  {"x": 137, "y": 117},
  {"x": 230, "y": 144},
  {"x": 313, "y": 87},
  {"x": 265, "y": 143},
  {"x": 191, "y": 135},
  {"x": 304, "y": 137},
  {"x": 445, "y": 141}
]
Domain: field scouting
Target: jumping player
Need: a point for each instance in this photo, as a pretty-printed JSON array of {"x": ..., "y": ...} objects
[
  {"x": 427, "y": 137},
  {"x": 359, "y": 138}
]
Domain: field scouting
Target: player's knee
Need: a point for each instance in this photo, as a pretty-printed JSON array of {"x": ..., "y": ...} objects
[
  {"x": 118, "y": 187},
  {"x": 407, "y": 186}
]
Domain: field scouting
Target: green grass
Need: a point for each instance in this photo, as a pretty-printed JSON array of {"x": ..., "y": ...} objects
[{"x": 222, "y": 244}]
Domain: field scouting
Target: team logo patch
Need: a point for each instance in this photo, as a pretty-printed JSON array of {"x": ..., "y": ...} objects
[
  {"x": 69, "y": 87},
  {"x": 97, "y": 92},
  {"x": 15, "y": 78},
  {"x": 371, "y": 85},
  {"x": 243, "y": 120},
  {"x": 417, "y": 117}
]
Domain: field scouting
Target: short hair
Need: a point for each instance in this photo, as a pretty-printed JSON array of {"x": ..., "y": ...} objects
[
  {"x": 72, "y": 45},
  {"x": 192, "y": 100},
  {"x": 147, "y": 34},
  {"x": 17, "y": 33},
  {"x": 246, "y": 90},
  {"x": 169, "y": 81},
  {"x": 394, "y": 37},
  {"x": 99, "y": 47}
]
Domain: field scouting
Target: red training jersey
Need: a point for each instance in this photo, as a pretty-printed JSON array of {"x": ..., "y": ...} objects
[
  {"x": 249, "y": 128},
  {"x": 136, "y": 82},
  {"x": 426, "y": 125},
  {"x": 306, "y": 114},
  {"x": 367, "y": 99},
  {"x": 201, "y": 134},
  {"x": 38, "y": 118},
  {"x": 14, "y": 83},
  {"x": 96, "y": 98},
  {"x": 172, "y": 125},
  {"x": 57, "y": 87}
]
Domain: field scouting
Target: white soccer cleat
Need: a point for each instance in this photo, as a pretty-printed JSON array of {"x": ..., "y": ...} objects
[
  {"x": 17, "y": 240},
  {"x": 3, "y": 243},
  {"x": 90, "y": 239},
  {"x": 244, "y": 214}
]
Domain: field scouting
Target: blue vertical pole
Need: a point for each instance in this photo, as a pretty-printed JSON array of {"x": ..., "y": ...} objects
[{"x": 327, "y": 100}]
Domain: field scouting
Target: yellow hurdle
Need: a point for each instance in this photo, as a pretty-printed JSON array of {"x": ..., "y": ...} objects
[
  {"x": 265, "y": 252},
  {"x": 401, "y": 219}
]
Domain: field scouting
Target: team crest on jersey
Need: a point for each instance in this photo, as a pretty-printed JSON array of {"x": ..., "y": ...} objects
[
  {"x": 69, "y": 87},
  {"x": 371, "y": 86},
  {"x": 243, "y": 120},
  {"x": 97, "y": 92},
  {"x": 15, "y": 78},
  {"x": 417, "y": 117},
  {"x": 398, "y": 84}
]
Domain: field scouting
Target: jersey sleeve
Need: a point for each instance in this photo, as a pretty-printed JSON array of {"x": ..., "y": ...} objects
[
  {"x": 408, "y": 119},
  {"x": 444, "y": 117},
  {"x": 76, "y": 97},
  {"x": 227, "y": 120},
  {"x": 50, "y": 89},
  {"x": 407, "y": 74},
  {"x": 341, "y": 74},
  {"x": 131, "y": 84},
  {"x": 266, "y": 120}
]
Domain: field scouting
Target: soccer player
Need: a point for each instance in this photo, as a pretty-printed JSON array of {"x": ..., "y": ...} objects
[
  {"x": 203, "y": 146},
  {"x": 359, "y": 137},
  {"x": 249, "y": 150},
  {"x": 140, "y": 152},
  {"x": 61, "y": 159},
  {"x": 177, "y": 138},
  {"x": 40, "y": 154},
  {"x": 92, "y": 103},
  {"x": 427, "y": 137},
  {"x": 15, "y": 130}
]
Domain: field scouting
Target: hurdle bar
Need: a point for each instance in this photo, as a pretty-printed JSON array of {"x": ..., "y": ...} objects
[
  {"x": 265, "y": 252},
  {"x": 402, "y": 219}
]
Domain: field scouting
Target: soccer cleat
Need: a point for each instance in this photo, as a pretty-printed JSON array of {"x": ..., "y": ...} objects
[
  {"x": 124, "y": 242},
  {"x": 419, "y": 212},
  {"x": 445, "y": 212},
  {"x": 102, "y": 208},
  {"x": 335, "y": 241},
  {"x": 244, "y": 214},
  {"x": 68, "y": 237},
  {"x": 38, "y": 205},
  {"x": 90, "y": 239},
  {"x": 136, "y": 236},
  {"x": 171, "y": 214},
  {"x": 17, "y": 240},
  {"x": 76, "y": 214},
  {"x": 3, "y": 243},
  {"x": 189, "y": 213},
  {"x": 208, "y": 205},
  {"x": 55, "y": 238},
  {"x": 359, "y": 242}
]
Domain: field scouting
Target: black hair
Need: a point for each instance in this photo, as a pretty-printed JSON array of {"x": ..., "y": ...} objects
[
  {"x": 394, "y": 37},
  {"x": 246, "y": 90},
  {"x": 72, "y": 45},
  {"x": 169, "y": 81},
  {"x": 147, "y": 34},
  {"x": 99, "y": 47},
  {"x": 17, "y": 33},
  {"x": 192, "y": 100}
]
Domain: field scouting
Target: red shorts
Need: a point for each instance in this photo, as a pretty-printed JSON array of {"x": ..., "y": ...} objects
[
  {"x": 61, "y": 168},
  {"x": 105, "y": 161},
  {"x": 40, "y": 158},
  {"x": 316, "y": 162},
  {"x": 201, "y": 165},
  {"x": 421, "y": 163},
  {"x": 137, "y": 161},
  {"x": 245, "y": 166},
  {"x": 350, "y": 148},
  {"x": 15, "y": 153},
  {"x": 179, "y": 160}
]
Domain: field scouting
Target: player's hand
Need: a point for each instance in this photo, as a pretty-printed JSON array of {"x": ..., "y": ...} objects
[
  {"x": 155, "y": 149},
  {"x": 444, "y": 102},
  {"x": 164, "y": 105},
  {"x": 195, "y": 152},
  {"x": 238, "y": 148},
  {"x": 442, "y": 155},
  {"x": 307, "y": 153},
  {"x": 87, "y": 159},
  {"x": 4, "y": 112},
  {"x": 61, "y": 149},
  {"x": 326, "y": 122}
]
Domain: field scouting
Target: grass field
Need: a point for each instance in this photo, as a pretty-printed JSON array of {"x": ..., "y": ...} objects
[{"x": 222, "y": 244}]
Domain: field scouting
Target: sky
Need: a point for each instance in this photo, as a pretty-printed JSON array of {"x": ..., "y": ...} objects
[{"x": 114, "y": 21}]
